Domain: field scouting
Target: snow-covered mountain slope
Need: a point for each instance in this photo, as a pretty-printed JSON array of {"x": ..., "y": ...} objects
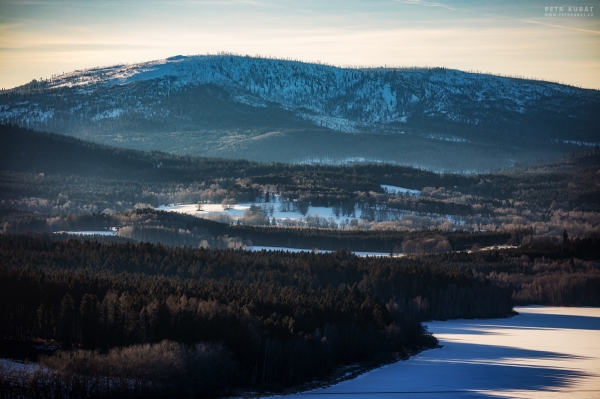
[{"x": 225, "y": 92}]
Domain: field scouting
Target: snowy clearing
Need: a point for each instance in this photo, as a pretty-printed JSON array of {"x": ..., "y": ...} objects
[
  {"x": 326, "y": 216},
  {"x": 399, "y": 190},
  {"x": 237, "y": 210},
  {"x": 544, "y": 352}
]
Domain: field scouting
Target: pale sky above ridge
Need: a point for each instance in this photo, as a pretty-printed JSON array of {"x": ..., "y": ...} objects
[{"x": 517, "y": 38}]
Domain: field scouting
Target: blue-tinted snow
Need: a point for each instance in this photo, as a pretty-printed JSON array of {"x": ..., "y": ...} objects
[
  {"x": 371, "y": 97},
  {"x": 544, "y": 352}
]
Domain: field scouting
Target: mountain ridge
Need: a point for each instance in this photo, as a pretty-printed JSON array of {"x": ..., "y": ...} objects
[{"x": 226, "y": 105}]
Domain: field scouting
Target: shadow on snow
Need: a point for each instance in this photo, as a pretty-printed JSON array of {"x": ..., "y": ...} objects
[{"x": 461, "y": 369}]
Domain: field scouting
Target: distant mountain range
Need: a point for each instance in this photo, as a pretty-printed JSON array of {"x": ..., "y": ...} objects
[{"x": 280, "y": 110}]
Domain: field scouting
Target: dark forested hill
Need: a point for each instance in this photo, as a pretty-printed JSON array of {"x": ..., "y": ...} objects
[
  {"x": 276, "y": 110},
  {"x": 273, "y": 320}
]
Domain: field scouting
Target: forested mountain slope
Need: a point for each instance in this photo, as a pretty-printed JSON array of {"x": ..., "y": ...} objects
[{"x": 277, "y": 110}]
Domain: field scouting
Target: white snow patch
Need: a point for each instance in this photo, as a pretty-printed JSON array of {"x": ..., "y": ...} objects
[
  {"x": 389, "y": 97},
  {"x": 400, "y": 190},
  {"x": 237, "y": 210},
  {"x": 577, "y": 143},
  {"x": 108, "y": 114},
  {"x": 443, "y": 137}
]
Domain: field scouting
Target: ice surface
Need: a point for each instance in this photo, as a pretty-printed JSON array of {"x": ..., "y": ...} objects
[
  {"x": 296, "y": 250},
  {"x": 108, "y": 114},
  {"x": 544, "y": 352},
  {"x": 376, "y": 254},
  {"x": 285, "y": 249},
  {"x": 90, "y": 232}
]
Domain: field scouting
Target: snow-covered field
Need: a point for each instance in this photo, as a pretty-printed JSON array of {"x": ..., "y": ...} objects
[
  {"x": 237, "y": 211},
  {"x": 325, "y": 215},
  {"x": 544, "y": 352}
]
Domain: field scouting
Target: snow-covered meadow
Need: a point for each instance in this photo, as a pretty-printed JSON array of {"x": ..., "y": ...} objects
[
  {"x": 544, "y": 352},
  {"x": 237, "y": 211}
]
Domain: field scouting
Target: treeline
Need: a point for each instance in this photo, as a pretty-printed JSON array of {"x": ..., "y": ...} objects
[
  {"x": 286, "y": 318},
  {"x": 543, "y": 273},
  {"x": 26, "y": 150},
  {"x": 29, "y": 151},
  {"x": 261, "y": 310},
  {"x": 146, "y": 370},
  {"x": 172, "y": 228},
  {"x": 384, "y": 241}
]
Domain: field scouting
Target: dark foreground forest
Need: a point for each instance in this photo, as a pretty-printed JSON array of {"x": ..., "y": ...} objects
[
  {"x": 257, "y": 321},
  {"x": 231, "y": 321}
]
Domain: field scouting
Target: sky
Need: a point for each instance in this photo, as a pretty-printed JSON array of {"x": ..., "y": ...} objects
[{"x": 530, "y": 39}]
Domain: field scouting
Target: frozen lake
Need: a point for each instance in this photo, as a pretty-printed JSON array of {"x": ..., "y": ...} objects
[
  {"x": 89, "y": 233},
  {"x": 544, "y": 352},
  {"x": 296, "y": 250}
]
